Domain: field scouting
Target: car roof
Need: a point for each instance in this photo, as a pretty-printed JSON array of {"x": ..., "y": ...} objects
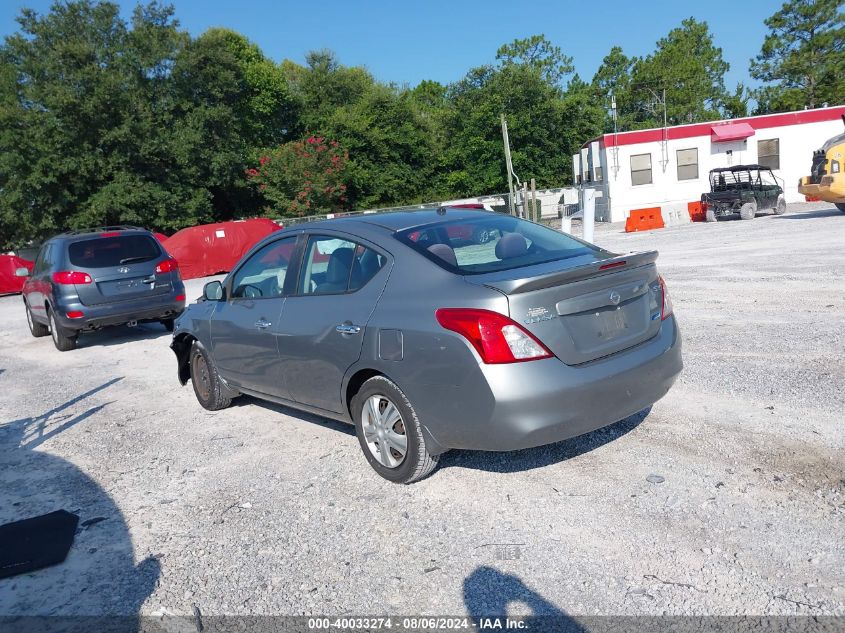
[
  {"x": 97, "y": 231},
  {"x": 395, "y": 221},
  {"x": 740, "y": 168}
]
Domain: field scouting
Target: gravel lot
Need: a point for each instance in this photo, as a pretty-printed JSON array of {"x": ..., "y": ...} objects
[{"x": 259, "y": 509}]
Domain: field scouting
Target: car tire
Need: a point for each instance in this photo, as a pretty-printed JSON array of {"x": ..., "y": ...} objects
[
  {"x": 64, "y": 340},
  {"x": 208, "y": 387},
  {"x": 35, "y": 328},
  {"x": 748, "y": 211},
  {"x": 780, "y": 207},
  {"x": 841, "y": 206},
  {"x": 168, "y": 324},
  {"x": 710, "y": 215},
  {"x": 381, "y": 410}
]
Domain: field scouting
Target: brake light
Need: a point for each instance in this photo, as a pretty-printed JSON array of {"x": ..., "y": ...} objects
[
  {"x": 666, "y": 310},
  {"x": 75, "y": 314},
  {"x": 612, "y": 265},
  {"x": 180, "y": 297},
  {"x": 110, "y": 234},
  {"x": 168, "y": 266},
  {"x": 68, "y": 277},
  {"x": 495, "y": 337}
]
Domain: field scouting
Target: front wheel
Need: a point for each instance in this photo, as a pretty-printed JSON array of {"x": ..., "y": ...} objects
[
  {"x": 748, "y": 211},
  {"x": 389, "y": 432},
  {"x": 64, "y": 340},
  {"x": 780, "y": 207},
  {"x": 35, "y": 328},
  {"x": 208, "y": 388}
]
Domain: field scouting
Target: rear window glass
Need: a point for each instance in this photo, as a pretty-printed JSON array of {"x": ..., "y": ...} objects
[
  {"x": 104, "y": 252},
  {"x": 492, "y": 244}
]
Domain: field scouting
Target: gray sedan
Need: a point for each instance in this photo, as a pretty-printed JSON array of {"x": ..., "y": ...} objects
[{"x": 427, "y": 339}]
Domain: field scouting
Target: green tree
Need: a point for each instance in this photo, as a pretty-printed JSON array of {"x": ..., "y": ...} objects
[
  {"x": 538, "y": 53},
  {"x": 690, "y": 68},
  {"x": 803, "y": 56},
  {"x": 613, "y": 80}
]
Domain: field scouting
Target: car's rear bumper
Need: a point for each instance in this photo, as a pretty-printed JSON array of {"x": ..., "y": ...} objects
[
  {"x": 152, "y": 308},
  {"x": 530, "y": 404}
]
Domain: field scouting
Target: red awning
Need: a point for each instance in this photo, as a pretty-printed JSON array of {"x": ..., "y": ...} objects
[{"x": 730, "y": 132}]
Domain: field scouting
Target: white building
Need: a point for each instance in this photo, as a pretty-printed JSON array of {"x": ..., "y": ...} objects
[{"x": 669, "y": 166}]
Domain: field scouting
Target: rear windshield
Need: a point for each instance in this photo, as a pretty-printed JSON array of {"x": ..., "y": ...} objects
[
  {"x": 493, "y": 243},
  {"x": 104, "y": 252}
]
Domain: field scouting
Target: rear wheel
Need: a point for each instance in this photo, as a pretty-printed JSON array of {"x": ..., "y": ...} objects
[
  {"x": 841, "y": 206},
  {"x": 780, "y": 207},
  {"x": 748, "y": 211},
  {"x": 710, "y": 215},
  {"x": 206, "y": 382},
  {"x": 64, "y": 340},
  {"x": 390, "y": 433},
  {"x": 36, "y": 329}
]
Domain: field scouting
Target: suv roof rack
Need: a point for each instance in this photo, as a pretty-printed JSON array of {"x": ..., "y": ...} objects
[{"x": 100, "y": 229}]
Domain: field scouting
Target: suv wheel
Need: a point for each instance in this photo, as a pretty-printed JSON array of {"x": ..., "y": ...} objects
[
  {"x": 748, "y": 211},
  {"x": 64, "y": 340},
  {"x": 36, "y": 329},
  {"x": 389, "y": 432},
  {"x": 206, "y": 381}
]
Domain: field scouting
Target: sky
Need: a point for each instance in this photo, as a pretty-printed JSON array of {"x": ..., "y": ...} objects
[{"x": 405, "y": 41}]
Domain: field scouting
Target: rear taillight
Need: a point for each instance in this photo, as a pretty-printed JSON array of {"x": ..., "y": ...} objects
[
  {"x": 666, "y": 310},
  {"x": 495, "y": 337},
  {"x": 180, "y": 297},
  {"x": 167, "y": 266},
  {"x": 68, "y": 277},
  {"x": 75, "y": 314}
]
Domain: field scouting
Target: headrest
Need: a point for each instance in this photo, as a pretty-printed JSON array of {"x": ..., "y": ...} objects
[
  {"x": 511, "y": 245},
  {"x": 444, "y": 252}
]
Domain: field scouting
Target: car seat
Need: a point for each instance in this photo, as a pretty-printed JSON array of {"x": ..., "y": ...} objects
[{"x": 337, "y": 272}]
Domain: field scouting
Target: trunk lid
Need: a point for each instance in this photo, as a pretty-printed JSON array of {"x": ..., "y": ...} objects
[
  {"x": 583, "y": 309},
  {"x": 110, "y": 286}
]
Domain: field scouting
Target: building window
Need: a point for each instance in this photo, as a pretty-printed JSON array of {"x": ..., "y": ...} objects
[
  {"x": 599, "y": 174},
  {"x": 768, "y": 153},
  {"x": 641, "y": 169},
  {"x": 687, "y": 164}
]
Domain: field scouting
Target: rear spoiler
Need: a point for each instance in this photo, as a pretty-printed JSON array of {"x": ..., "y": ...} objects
[{"x": 576, "y": 273}]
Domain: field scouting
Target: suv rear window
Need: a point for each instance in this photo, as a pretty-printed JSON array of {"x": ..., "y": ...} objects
[
  {"x": 492, "y": 244},
  {"x": 104, "y": 252}
]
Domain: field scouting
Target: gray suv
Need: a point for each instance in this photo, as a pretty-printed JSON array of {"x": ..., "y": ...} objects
[{"x": 88, "y": 279}]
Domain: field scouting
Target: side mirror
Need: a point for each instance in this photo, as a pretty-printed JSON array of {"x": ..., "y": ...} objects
[
  {"x": 213, "y": 291},
  {"x": 22, "y": 272}
]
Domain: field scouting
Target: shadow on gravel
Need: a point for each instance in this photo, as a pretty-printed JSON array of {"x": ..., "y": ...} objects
[
  {"x": 99, "y": 576},
  {"x": 530, "y": 458},
  {"x": 488, "y": 592},
  {"x": 243, "y": 401},
  {"x": 809, "y": 215},
  {"x": 120, "y": 334}
]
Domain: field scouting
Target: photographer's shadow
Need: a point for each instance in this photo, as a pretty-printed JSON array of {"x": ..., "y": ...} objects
[{"x": 99, "y": 577}]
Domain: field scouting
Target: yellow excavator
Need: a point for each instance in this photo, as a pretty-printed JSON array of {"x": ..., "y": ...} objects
[{"x": 826, "y": 181}]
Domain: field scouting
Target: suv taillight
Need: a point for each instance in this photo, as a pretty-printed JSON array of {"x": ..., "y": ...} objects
[
  {"x": 167, "y": 266},
  {"x": 495, "y": 337},
  {"x": 69, "y": 277},
  {"x": 666, "y": 309}
]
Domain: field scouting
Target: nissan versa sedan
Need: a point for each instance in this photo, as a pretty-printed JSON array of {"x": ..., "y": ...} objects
[{"x": 428, "y": 342}]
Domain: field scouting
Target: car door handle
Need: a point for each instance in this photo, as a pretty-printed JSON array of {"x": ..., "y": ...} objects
[
  {"x": 261, "y": 324},
  {"x": 348, "y": 328},
  {"x": 149, "y": 280}
]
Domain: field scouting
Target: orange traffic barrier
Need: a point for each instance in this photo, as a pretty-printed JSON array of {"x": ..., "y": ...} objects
[
  {"x": 697, "y": 211},
  {"x": 644, "y": 220}
]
